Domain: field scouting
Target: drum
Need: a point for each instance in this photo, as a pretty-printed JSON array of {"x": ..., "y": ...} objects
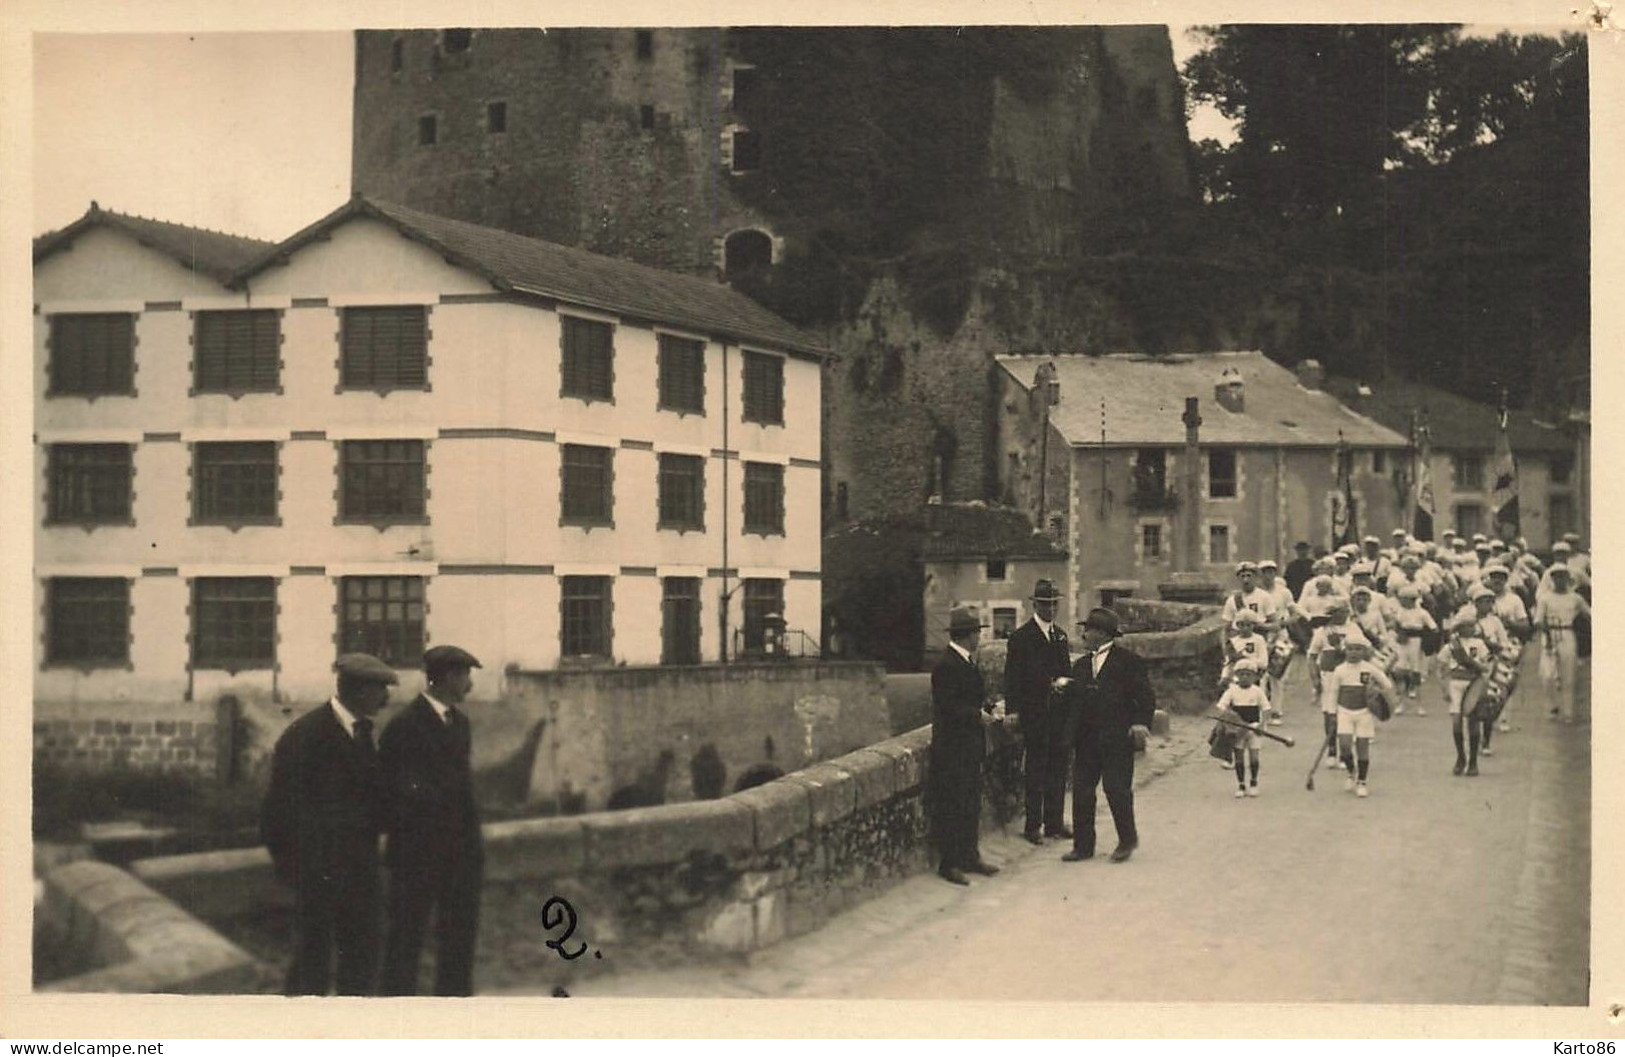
[
  {"x": 1281, "y": 656},
  {"x": 1222, "y": 742},
  {"x": 1503, "y": 679}
]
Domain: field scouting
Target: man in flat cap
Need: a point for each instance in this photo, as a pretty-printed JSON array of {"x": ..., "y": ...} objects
[
  {"x": 1115, "y": 705},
  {"x": 958, "y": 715},
  {"x": 1036, "y": 670},
  {"x": 321, "y": 820},
  {"x": 435, "y": 855}
]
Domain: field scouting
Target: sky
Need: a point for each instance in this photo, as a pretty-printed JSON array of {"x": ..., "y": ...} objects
[
  {"x": 241, "y": 132},
  {"x": 247, "y": 133}
]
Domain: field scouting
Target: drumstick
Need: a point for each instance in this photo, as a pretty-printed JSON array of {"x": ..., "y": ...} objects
[
  {"x": 1284, "y": 739},
  {"x": 1310, "y": 784}
]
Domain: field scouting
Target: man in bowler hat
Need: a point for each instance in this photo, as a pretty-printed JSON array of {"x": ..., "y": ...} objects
[
  {"x": 1037, "y": 667},
  {"x": 435, "y": 856},
  {"x": 958, "y": 711},
  {"x": 1114, "y": 701},
  {"x": 321, "y": 820}
]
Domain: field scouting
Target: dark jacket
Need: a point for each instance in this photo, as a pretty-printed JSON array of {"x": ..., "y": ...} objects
[
  {"x": 324, "y": 810},
  {"x": 1298, "y": 572},
  {"x": 957, "y": 740},
  {"x": 432, "y": 819},
  {"x": 1031, "y": 663},
  {"x": 1119, "y": 698}
]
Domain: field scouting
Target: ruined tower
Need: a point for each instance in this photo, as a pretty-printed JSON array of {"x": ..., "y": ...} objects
[{"x": 924, "y": 198}]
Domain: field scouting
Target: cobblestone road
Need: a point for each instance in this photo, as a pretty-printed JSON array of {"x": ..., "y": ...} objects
[{"x": 1436, "y": 889}]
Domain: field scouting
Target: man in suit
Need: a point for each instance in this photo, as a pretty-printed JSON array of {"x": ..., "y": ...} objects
[
  {"x": 435, "y": 856},
  {"x": 1114, "y": 705},
  {"x": 958, "y": 708},
  {"x": 1036, "y": 669},
  {"x": 321, "y": 820}
]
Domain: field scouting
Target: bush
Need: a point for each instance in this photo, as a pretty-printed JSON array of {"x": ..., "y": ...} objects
[{"x": 201, "y": 809}]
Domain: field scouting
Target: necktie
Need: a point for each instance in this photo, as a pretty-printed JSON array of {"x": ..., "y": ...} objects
[{"x": 363, "y": 739}]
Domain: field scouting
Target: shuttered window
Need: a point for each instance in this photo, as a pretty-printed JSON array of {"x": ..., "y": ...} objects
[
  {"x": 587, "y": 488},
  {"x": 90, "y": 483},
  {"x": 234, "y": 622},
  {"x": 234, "y": 482},
  {"x": 88, "y": 622},
  {"x": 382, "y": 480},
  {"x": 237, "y": 352},
  {"x": 682, "y": 492},
  {"x": 92, "y": 354},
  {"x": 764, "y": 498},
  {"x": 588, "y": 361},
  {"x": 385, "y": 348},
  {"x": 764, "y": 389},
  {"x": 383, "y": 616},
  {"x": 763, "y": 599},
  {"x": 680, "y": 620},
  {"x": 682, "y": 375},
  {"x": 585, "y": 621}
]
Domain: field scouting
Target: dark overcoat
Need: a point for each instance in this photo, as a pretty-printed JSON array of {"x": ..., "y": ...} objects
[{"x": 957, "y": 746}]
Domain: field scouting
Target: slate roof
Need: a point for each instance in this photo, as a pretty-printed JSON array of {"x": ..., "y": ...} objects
[
  {"x": 976, "y": 530},
  {"x": 1455, "y": 422},
  {"x": 213, "y": 253},
  {"x": 519, "y": 264},
  {"x": 1145, "y": 402}
]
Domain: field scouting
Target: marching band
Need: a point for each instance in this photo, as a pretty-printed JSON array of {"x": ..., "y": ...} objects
[{"x": 1374, "y": 621}]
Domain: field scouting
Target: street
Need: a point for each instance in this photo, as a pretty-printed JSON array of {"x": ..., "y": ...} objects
[{"x": 1436, "y": 889}]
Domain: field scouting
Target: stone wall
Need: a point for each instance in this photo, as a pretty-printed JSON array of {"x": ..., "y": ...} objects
[
  {"x": 135, "y": 939},
  {"x": 557, "y": 741},
  {"x": 664, "y": 885},
  {"x": 187, "y": 744},
  {"x": 661, "y": 735}
]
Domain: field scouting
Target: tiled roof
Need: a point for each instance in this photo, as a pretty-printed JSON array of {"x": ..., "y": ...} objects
[
  {"x": 531, "y": 266},
  {"x": 1454, "y": 422},
  {"x": 1145, "y": 402},
  {"x": 976, "y": 530},
  {"x": 214, "y": 253}
]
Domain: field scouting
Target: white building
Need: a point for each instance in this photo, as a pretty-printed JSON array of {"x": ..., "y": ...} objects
[{"x": 393, "y": 430}]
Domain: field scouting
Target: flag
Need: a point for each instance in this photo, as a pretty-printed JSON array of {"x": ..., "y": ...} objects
[
  {"x": 1504, "y": 492},
  {"x": 1423, "y": 529},
  {"x": 1343, "y": 527}
]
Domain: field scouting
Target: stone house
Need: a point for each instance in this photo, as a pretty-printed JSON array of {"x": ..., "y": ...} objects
[
  {"x": 1116, "y": 471},
  {"x": 1552, "y": 459},
  {"x": 986, "y": 556}
]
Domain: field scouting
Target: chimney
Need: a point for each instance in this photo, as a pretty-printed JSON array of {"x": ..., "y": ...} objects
[
  {"x": 1229, "y": 393},
  {"x": 1310, "y": 374},
  {"x": 1192, "y": 501}
]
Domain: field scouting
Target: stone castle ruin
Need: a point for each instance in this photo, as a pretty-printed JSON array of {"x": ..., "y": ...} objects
[{"x": 922, "y": 198}]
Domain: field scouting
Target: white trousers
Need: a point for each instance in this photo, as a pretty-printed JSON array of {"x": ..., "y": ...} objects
[{"x": 1558, "y": 661}]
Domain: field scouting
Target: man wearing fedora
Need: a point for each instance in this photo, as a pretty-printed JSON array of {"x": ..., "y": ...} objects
[
  {"x": 1036, "y": 670},
  {"x": 1114, "y": 705},
  {"x": 435, "y": 856},
  {"x": 958, "y": 714},
  {"x": 321, "y": 820}
]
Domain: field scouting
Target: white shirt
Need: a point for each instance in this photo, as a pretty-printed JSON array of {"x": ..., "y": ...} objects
[
  {"x": 346, "y": 717},
  {"x": 1047, "y": 627},
  {"x": 440, "y": 709},
  {"x": 1099, "y": 658},
  {"x": 962, "y": 651}
]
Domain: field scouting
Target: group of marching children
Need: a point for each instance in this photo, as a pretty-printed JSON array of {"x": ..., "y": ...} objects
[{"x": 1371, "y": 621}]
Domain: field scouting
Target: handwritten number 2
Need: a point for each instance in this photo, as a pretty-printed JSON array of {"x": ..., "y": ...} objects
[{"x": 566, "y": 916}]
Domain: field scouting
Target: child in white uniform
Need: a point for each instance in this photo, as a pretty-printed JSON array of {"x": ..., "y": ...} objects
[
  {"x": 1245, "y": 700},
  {"x": 1356, "y": 725},
  {"x": 1411, "y": 623},
  {"x": 1465, "y": 659},
  {"x": 1554, "y": 616},
  {"x": 1326, "y": 653}
]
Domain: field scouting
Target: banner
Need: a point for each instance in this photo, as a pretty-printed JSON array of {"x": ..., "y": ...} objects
[
  {"x": 1344, "y": 529},
  {"x": 1504, "y": 472},
  {"x": 1423, "y": 529}
]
